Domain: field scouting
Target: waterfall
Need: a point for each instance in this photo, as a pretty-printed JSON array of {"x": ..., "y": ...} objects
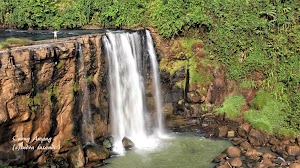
[
  {"x": 156, "y": 82},
  {"x": 125, "y": 52},
  {"x": 87, "y": 124}
]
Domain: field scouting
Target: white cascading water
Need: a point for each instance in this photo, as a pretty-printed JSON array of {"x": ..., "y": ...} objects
[
  {"x": 156, "y": 83},
  {"x": 127, "y": 92},
  {"x": 87, "y": 125}
]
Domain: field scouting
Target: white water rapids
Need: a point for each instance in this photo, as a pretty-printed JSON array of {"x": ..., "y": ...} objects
[{"x": 130, "y": 118}]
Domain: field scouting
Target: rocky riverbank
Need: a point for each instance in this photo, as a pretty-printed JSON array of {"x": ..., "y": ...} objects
[{"x": 250, "y": 147}]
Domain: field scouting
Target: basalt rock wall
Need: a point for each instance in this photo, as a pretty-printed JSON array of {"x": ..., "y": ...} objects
[{"x": 39, "y": 98}]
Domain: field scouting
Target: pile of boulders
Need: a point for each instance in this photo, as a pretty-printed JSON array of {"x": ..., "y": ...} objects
[{"x": 252, "y": 148}]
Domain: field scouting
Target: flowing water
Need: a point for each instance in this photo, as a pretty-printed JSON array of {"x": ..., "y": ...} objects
[
  {"x": 127, "y": 88},
  {"x": 87, "y": 124},
  {"x": 156, "y": 83}
]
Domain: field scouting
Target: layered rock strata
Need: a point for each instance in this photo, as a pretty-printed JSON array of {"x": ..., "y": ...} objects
[{"x": 39, "y": 102}]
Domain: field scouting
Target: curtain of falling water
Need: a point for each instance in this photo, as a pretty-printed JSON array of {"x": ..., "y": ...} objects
[
  {"x": 156, "y": 83},
  {"x": 126, "y": 89}
]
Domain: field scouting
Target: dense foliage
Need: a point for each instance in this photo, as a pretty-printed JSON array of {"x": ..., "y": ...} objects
[{"x": 248, "y": 36}]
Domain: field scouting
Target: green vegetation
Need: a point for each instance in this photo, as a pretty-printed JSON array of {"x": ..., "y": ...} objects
[
  {"x": 75, "y": 87},
  {"x": 247, "y": 36},
  {"x": 186, "y": 53},
  {"x": 232, "y": 106},
  {"x": 14, "y": 42},
  {"x": 3, "y": 166},
  {"x": 266, "y": 114}
]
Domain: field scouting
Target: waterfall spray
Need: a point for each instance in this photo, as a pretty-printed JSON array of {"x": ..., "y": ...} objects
[{"x": 127, "y": 91}]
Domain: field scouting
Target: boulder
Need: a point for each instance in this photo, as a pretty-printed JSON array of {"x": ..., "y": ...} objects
[
  {"x": 244, "y": 129},
  {"x": 293, "y": 150},
  {"x": 245, "y": 145},
  {"x": 235, "y": 162},
  {"x": 256, "y": 138},
  {"x": 95, "y": 153},
  {"x": 253, "y": 153},
  {"x": 294, "y": 165},
  {"x": 298, "y": 140},
  {"x": 274, "y": 141},
  {"x": 127, "y": 143},
  {"x": 266, "y": 161},
  {"x": 107, "y": 143},
  {"x": 233, "y": 152}
]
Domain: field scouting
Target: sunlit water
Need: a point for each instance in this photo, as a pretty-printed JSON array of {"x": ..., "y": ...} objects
[{"x": 180, "y": 151}]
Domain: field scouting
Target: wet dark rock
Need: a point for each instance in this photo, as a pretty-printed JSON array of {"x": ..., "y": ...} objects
[
  {"x": 10, "y": 156},
  {"x": 127, "y": 143}
]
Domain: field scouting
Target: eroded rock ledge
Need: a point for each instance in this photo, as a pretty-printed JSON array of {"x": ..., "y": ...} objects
[{"x": 40, "y": 99}]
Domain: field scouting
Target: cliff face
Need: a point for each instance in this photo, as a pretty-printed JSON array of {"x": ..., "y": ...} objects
[{"x": 41, "y": 97}]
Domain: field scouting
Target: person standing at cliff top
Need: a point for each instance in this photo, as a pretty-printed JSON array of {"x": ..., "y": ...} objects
[{"x": 55, "y": 34}]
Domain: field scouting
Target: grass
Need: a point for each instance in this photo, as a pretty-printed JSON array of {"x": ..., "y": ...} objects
[
  {"x": 12, "y": 42},
  {"x": 232, "y": 106},
  {"x": 266, "y": 114}
]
